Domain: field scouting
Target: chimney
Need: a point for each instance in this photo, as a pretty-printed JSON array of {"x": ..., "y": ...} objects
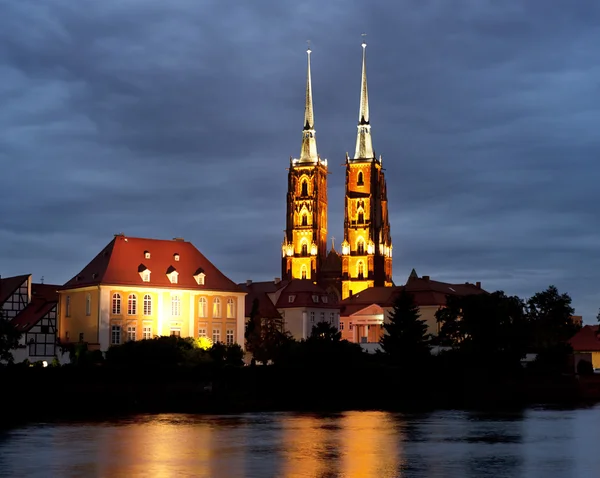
[
  {"x": 478, "y": 284},
  {"x": 120, "y": 234},
  {"x": 277, "y": 280},
  {"x": 249, "y": 282},
  {"x": 179, "y": 239},
  {"x": 425, "y": 278}
]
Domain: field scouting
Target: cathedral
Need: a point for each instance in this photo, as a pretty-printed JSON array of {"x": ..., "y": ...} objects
[{"x": 366, "y": 252}]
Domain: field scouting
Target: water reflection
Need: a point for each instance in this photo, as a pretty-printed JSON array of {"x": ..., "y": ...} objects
[{"x": 549, "y": 443}]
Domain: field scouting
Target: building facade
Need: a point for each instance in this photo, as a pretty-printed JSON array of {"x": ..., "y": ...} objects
[
  {"x": 364, "y": 314},
  {"x": 304, "y": 246},
  {"x": 367, "y": 245},
  {"x": 32, "y": 309},
  {"x": 298, "y": 305},
  {"x": 138, "y": 288}
]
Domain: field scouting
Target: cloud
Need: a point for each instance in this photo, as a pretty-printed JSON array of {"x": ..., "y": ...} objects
[{"x": 167, "y": 119}]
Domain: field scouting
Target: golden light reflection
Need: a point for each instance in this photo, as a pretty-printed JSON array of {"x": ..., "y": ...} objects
[
  {"x": 162, "y": 446},
  {"x": 370, "y": 443},
  {"x": 350, "y": 444},
  {"x": 308, "y": 442}
]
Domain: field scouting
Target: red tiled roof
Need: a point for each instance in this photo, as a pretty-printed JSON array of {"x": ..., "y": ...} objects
[
  {"x": 259, "y": 290},
  {"x": 31, "y": 314},
  {"x": 586, "y": 340},
  {"x": 121, "y": 260},
  {"x": 9, "y": 285},
  {"x": 303, "y": 291},
  {"x": 45, "y": 291},
  {"x": 425, "y": 291}
]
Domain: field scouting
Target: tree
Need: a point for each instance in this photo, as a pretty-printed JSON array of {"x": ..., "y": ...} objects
[
  {"x": 550, "y": 316},
  {"x": 253, "y": 334},
  {"x": 490, "y": 329},
  {"x": 325, "y": 332},
  {"x": 598, "y": 316},
  {"x": 9, "y": 339},
  {"x": 405, "y": 339}
]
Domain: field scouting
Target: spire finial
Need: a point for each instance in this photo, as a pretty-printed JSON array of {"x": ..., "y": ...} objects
[
  {"x": 364, "y": 145},
  {"x": 309, "y": 143}
]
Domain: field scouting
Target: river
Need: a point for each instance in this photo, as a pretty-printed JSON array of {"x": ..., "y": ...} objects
[{"x": 536, "y": 442}]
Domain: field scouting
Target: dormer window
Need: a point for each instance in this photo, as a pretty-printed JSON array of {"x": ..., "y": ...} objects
[
  {"x": 173, "y": 276},
  {"x": 146, "y": 254},
  {"x": 315, "y": 298},
  {"x": 324, "y": 299},
  {"x": 199, "y": 276},
  {"x": 291, "y": 298},
  {"x": 176, "y": 257},
  {"x": 144, "y": 273}
]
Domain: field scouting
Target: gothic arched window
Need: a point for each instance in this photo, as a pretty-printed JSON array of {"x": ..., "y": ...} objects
[
  {"x": 360, "y": 181},
  {"x": 305, "y": 187},
  {"x": 305, "y": 219},
  {"x": 304, "y": 249},
  {"x": 303, "y": 272},
  {"x": 361, "y": 270},
  {"x": 360, "y": 247},
  {"x": 361, "y": 217}
]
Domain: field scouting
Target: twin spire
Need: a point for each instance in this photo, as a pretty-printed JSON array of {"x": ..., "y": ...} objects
[
  {"x": 309, "y": 142},
  {"x": 364, "y": 145}
]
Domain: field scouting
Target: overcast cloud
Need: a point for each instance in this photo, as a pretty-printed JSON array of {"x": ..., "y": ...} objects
[{"x": 177, "y": 119}]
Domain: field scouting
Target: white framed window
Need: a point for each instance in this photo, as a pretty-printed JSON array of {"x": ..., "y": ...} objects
[
  {"x": 202, "y": 307},
  {"x": 173, "y": 277},
  {"x": 202, "y": 331},
  {"x": 331, "y": 317},
  {"x": 175, "y": 306},
  {"x": 147, "y": 304},
  {"x": 315, "y": 298},
  {"x": 229, "y": 337},
  {"x": 216, "y": 307},
  {"x": 216, "y": 335},
  {"x": 312, "y": 317},
  {"x": 176, "y": 257},
  {"x": 322, "y": 317},
  {"x": 147, "y": 332},
  {"x": 132, "y": 304},
  {"x": 350, "y": 326},
  {"x": 68, "y": 306},
  {"x": 324, "y": 299},
  {"x": 146, "y": 275},
  {"x": 131, "y": 333},
  {"x": 291, "y": 298},
  {"x": 200, "y": 278},
  {"x": 115, "y": 335},
  {"x": 116, "y": 304},
  {"x": 88, "y": 304},
  {"x": 341, "y": 325},
  {"x": 176, "y": 332},
  {"x": 230, "y": 309},
  {"x": 146, "y": 254}
]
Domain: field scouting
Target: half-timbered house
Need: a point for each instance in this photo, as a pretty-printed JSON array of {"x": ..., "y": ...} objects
[{"x": 32, "y": 309}]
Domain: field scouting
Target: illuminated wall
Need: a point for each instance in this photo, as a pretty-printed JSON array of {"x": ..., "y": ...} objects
[
  {"x": 305, "y": 244},
  {"x": 367, "y": 246},
  {"x": 145, "y": 312}
]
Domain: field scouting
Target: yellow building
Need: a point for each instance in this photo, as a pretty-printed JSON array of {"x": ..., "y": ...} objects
[
  {"x": 139, "y": 288},
  {"x": 367, "y": 245},
  {"x": 304, "y": 246}
]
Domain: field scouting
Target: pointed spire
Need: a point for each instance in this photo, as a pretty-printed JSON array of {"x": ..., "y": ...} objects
[
  {"x": 309, "y": 142},
  {"x": 364, "y": 146}
]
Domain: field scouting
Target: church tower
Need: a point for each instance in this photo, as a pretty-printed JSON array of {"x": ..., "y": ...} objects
[
  {"x": 367, "y": 246},
  {"x": 304, "y": 246}
]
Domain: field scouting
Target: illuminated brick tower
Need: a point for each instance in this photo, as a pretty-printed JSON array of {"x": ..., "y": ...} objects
[
  {"x": 304, "y": 246},
  {"x": 367, "y": 246}
]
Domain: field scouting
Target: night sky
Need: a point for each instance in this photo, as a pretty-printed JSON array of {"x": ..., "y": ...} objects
[{"x": 177, "y": 119}]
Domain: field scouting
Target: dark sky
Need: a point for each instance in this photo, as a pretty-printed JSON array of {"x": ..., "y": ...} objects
[{"x": 164, "y": 119}]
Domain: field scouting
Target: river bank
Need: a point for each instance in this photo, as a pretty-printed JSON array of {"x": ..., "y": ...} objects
[{"x": 37, "y": 394}]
